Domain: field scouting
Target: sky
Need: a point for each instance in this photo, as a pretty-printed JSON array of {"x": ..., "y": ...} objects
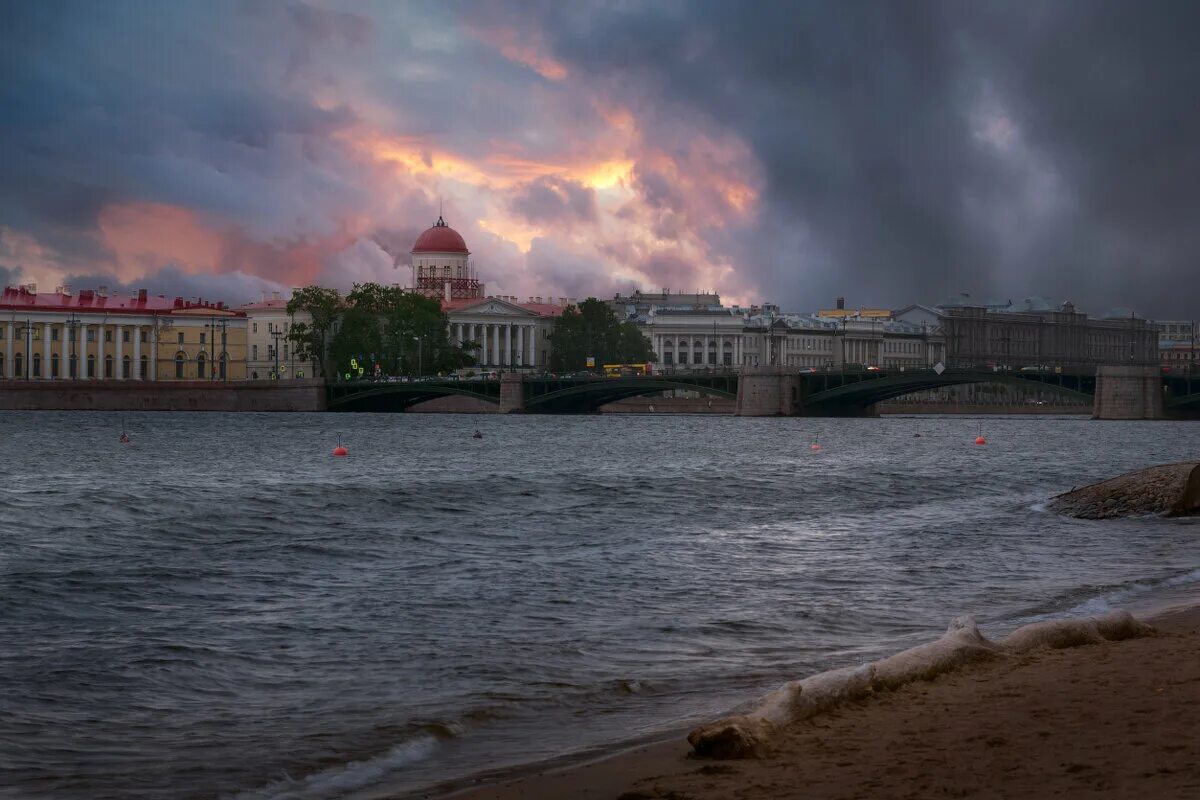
[{"x": 887, "y": 152}]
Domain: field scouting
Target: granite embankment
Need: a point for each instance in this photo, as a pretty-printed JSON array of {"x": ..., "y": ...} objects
[{"x": 1169, "y": 489}]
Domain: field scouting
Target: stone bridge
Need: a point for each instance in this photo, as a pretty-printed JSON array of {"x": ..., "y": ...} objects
[{"x": 1119, "y": 392}]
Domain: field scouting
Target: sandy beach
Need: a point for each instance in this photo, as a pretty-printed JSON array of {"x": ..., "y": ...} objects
[{"x": 1113, "y": 720}]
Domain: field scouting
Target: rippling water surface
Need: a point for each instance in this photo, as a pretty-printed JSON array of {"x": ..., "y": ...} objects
[{"x": 224, "y": 610}]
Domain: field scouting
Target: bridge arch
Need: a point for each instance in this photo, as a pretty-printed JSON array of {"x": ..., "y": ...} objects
[
  {"x": 401, "y": 396},
  {"x": 581, "y": 397},
  {"x": 856, "y": 391}
]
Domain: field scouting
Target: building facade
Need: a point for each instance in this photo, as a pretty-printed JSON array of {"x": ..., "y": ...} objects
[
  {"x": 1036, "y": 335},
  {"x": 269, "y": 352},
  {"x": 94, "y": 335}
]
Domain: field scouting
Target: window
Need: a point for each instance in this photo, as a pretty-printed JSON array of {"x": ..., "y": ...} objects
[
  {"x": 144, "y": 337},
  {"x": 200, "y": 373},
  {"x": 126, "y": 362},
  {"x": 222, "y": 366},
  {"x": 91, "y": 368},
  {"x": 179, "y": 358},
  {"x": 254, "y": 352},
  {"x": 285, "y": 352},
  {"x": 108, "y": 366},
  {"x": 270, "y": 327},
  {"x": 142, "y": 368},
  {"x": 37, "y": 365},
  {"x": 181, "y": 337},
  {"x": 108, "y": 336},
  {"x": 683, "y": 357},
  {"x": 54, "y": 334},
  {"x": 54, "y": 365},
  {"x": 19, "y": 366},
  {"x": 91, "y": 335},
  {"x": 255, "y": 326},
  {"x": 124, "y": 336},
  {"x": 203, "y": 337}
]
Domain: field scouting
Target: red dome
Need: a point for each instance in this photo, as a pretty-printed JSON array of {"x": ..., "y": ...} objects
[{"x": 441, "y": 238}]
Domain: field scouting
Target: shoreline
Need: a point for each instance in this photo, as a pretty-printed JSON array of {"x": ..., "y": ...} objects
[{"x": 665, "y": 766}]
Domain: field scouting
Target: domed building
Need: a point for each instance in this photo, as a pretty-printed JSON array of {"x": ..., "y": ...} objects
[
  {"x": 441, "y": 264},
  {"x": 503, "y": 332}
]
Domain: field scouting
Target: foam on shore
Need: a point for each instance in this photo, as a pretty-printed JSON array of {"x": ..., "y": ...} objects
[{"x": 748, "y": 735}]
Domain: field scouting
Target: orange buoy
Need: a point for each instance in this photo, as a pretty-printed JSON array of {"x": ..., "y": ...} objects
[
  {"x": 980, "y": 440},
  {"x": 339, "y": 451},
  {"x": 815, "y": 447}
]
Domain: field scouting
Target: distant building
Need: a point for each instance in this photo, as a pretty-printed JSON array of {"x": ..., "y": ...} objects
[
  {"x": 269, "y": 352},
  {"x": 638, "y": 303},
  {"x": 841, "y": 312},
  {"x": 1034, "y": 333},
  {"x": 94, "y": 335}
]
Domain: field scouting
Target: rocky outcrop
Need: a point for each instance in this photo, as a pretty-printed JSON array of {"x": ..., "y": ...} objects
[{"x": 1171, "y": 489}]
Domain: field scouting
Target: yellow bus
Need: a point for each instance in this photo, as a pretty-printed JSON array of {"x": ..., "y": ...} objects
[{"x": 625, "y": 370}]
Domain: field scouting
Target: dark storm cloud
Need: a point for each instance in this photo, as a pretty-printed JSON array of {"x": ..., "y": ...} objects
[
  {"x": 915, "y": 149},
  {"x": 554, "y": 200}
]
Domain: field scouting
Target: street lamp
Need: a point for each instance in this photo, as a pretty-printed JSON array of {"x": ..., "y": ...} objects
[
  {"x": 275, "y": 335},
  {"x": 73, "y": 323},
  {"x": 26, "y": 329},
  {"x": 420, "y": 369}
]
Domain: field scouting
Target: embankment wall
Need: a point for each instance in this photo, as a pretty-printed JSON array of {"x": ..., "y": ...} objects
[{"x": 84, "y": 395}]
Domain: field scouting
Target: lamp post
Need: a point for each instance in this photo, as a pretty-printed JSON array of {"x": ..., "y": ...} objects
[
  {"x": 26, "y": 329},
  {"x": 275, "y": 336},
  {"x": 72, "y": 325},
  {"x": 420, "y": 367}
]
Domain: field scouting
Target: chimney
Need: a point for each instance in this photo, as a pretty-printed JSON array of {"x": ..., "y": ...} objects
[
  {"x": 31, "y": 288},
  {"x": 538, "y": 299},
  {"x": 67, "y": 290},
  {"x": 58, "y": 290},
  {"x": 141, "y": 295},
  {"x": 102, "y": 291},
  {"x": 841, "y": 303}
]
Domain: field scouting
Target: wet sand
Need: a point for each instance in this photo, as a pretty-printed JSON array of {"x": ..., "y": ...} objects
[{"x": 1112, "y": 720}]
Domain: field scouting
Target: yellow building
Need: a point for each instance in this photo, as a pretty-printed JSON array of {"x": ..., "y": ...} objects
[{"x": 92, "y": 335}]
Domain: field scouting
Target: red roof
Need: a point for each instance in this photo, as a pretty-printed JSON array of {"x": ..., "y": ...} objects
[
  {"x": 21, "y": 299},
  {"x": 441, "y": 238}
]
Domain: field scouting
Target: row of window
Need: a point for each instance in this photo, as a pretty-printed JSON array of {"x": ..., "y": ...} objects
[
  {"x": 34, "y": 332},
  {"x": 35, "y": 366},
  {"x": 270, "y": 352},
  {"x": 681, "y": 359}
]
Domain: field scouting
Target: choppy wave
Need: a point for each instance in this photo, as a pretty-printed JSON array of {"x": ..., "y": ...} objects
[{"x": 226, "y": 608}]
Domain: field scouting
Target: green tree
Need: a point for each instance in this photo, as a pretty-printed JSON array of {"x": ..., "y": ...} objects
[
  {"x": 592, "y": 329},
  {"x": 311, "y": 339},
  {"x": 403, "y": 332}
]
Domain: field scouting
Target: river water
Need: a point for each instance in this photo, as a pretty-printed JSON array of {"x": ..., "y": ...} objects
[{"x": 221, "y": 609}]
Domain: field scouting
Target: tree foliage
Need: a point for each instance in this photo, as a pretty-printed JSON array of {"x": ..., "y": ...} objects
[
  {"x": 592, "y": 329},
  {"x": 311, "y": 339},
  {"x": 402, "y": 332}
]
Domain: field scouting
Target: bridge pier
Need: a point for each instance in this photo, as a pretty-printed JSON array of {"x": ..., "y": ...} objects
[
  {"x": 512, "y": 393},
  {"x": 1128, "y": 393},
  {"x": 768, "y": 392}
]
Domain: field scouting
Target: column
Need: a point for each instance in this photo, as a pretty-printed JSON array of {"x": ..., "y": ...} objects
[
  {"x": 119, "y": 354},
  {"x": 152, "y": 367},
  {"x": 45, "y": 350},
  {"x": 507, "y": 361},
  {"x": 495, "y": 333},
  {"x": 459, "y": 328},
  {"x": 100, "y": 352},
  {"x": 8, "y": 349},
  {"x": 483, "y": 345},
  {"x": 81, "y": 352},
  {"x": 533, "y": 341},
  {"x": 520, "y": 361},
  {"x": 137, "y": 352}
]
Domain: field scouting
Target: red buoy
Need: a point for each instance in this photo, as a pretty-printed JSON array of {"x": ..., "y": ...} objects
[
  {"x": 980, "y": 440},
  {"x": 339, "y": 451},
  {"x": 814, "y": 447}
]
